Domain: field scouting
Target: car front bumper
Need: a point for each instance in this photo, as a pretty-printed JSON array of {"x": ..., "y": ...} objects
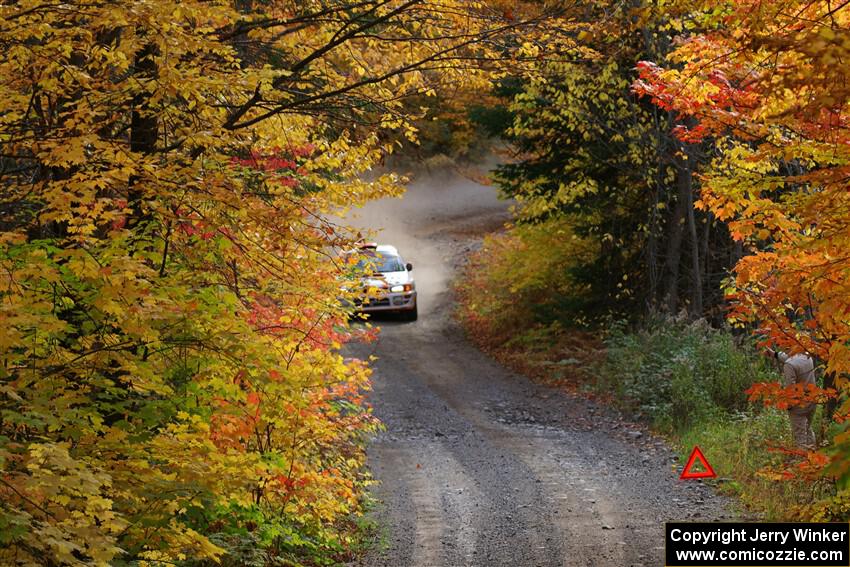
[{"x": 404, "y": 301}]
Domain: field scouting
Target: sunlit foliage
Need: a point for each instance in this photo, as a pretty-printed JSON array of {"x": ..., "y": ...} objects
[{"x": 171, "y": 384}]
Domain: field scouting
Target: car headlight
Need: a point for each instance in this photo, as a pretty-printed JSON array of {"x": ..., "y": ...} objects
[{"x": 401, "y": 288}]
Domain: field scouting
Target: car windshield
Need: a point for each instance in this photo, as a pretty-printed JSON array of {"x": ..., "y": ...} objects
[{"x": 381, "y": 263}]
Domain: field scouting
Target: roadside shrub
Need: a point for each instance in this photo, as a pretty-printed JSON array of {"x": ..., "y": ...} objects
[
  {"x": 520, "y": 282},
  {"x": 518, "y": 300},
  {"x": 677, "y": 374}
]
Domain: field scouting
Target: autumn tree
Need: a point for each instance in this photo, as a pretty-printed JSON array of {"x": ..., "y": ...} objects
[
  {"x": 766, "y": 82},
  {"x": 591, "y": 150},
  {"x": 171, "y": 385}
]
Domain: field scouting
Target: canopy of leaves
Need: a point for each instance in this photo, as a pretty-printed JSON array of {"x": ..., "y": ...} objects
[{"x": 171, "y": 385}]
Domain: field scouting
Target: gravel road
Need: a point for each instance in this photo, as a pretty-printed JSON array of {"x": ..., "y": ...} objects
[{"x": 479, "y": 466}]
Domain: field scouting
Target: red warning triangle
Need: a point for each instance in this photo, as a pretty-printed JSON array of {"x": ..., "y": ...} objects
[{"x": 688, "y": 472}]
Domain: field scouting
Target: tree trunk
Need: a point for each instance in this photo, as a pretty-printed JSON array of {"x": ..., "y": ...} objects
[
  {"x": 832, "y": 404},
  {"x": 652, "y": 255},
  {"x": 675, "y": 231},
  {"x": 686, "y": 175},
  {"x": 143, "y": 130}
]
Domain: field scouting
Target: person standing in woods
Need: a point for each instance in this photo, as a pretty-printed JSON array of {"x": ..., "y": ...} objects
[{"x": 798, "y": 369}]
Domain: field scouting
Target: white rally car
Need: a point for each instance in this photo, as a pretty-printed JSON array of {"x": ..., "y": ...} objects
[{"x": 387, "y": 284}]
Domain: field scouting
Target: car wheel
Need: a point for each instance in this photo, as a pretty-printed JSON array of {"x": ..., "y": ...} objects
[{"x": 413, "y": 314}]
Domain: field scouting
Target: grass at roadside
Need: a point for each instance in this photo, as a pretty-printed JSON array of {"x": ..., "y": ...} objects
[
  {"x": 685, "y": 379},
  {"x": 739, "y": 447}
]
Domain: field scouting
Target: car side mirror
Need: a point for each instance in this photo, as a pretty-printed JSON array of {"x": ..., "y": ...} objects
[{"x": 409, "y": 267}]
